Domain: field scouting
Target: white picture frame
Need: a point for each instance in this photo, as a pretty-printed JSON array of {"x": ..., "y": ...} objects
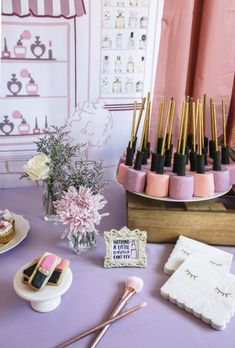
[{"x": 125, "y": 248}]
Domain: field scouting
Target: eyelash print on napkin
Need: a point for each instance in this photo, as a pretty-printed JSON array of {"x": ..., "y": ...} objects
[
  {"x": 185, "y": 252},
  {"x": 190, "y": 275},
  {"x": 226, "y": 294},
  {"x": 216, "y": 264}
]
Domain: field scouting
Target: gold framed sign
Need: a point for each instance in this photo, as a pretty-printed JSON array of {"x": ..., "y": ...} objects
[{"x": 125, "y": 248}]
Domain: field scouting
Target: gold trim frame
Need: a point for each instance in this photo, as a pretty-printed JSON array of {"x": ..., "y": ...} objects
[{"x": 129, "y": 256}]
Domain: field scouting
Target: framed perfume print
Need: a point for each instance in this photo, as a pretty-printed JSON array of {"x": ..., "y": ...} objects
[{"x": 125, "y": 248}]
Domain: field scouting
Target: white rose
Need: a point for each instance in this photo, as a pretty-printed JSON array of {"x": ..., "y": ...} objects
[{"x": 37, "y": 167}]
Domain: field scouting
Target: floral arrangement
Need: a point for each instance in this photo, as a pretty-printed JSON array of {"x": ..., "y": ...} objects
[
  {"x": 80, "y": 210},
  {"x": 55, "y": 164}
]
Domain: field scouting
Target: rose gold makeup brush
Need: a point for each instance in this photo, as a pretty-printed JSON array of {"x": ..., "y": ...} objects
[
  {"x": 133, "y": 286},
  {"x": 100, "y": 326}
]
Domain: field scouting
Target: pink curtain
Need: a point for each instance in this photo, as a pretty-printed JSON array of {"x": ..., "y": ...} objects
[{"x": 196, "y": 56}]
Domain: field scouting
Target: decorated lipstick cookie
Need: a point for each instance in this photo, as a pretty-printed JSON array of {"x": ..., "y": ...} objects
[
  {"x": 59, "y": 272},
  {"x": 27, "y": 272},
  {"x": 43, "y": 271}
]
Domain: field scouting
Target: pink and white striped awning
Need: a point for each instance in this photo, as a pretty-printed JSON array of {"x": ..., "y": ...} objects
[{"x": 43, "y": 8}]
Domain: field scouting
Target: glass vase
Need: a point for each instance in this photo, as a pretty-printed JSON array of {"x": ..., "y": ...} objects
[
  {"x": 49, "y": 196},
  {"x": 86, "y": 243}
]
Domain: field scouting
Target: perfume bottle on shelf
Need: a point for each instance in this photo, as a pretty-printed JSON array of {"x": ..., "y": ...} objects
[
  {"x": 106, "y": 42},
  {"x": 23, "y": 127},
  {"x": 144, "y": 22},
  {"x": 143, "y": 41},
  {"x": 120, "y": 3},
  {"x": 139, "y": 86},
  {"x": 118, "y": 65},
  {"x": 19, "y": 49},
  {"x": 6, "y": 126},
  {"x": 50, "y": 54},
  {"x": 106, "y": 20},
  {"x": 38, "y": 48},
  {"x": 140, "y": 65},
  {"x": 132, "y": 21},
  {"x": 14, "y": 86},
  {"x": 119, "y": 37},
  {"x": 46, "y": 129},
  {"x": 133, "y": 2},
  {"x": 117, "y": 85},
  {"x": 31, "y": 87},
  {"x": 105, "y": 68},
  {"x": 129, "y": 85},
  {"x": 36, "y": 129},
  {"x": 5, "y": 52},
  {"x": 104, "y": 85},
  {"x": 131, "y": 41},
  {"x": 120, "y": 20},
  {"x": 130, "y": 67}
]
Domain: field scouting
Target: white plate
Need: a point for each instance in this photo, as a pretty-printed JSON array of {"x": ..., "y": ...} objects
[
  {"x": 21, "y": 230},
  {"x": 168, "y": 199},
  {"x": 193, "y": 199}
]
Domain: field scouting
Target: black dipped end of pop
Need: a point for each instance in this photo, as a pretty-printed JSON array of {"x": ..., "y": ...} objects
[
  {"x": 182, "y": 164},
  {"x": 225, "y": 154},
  {"x": 211, "y": 148},
  {"x": 168, "y": 156},
  {"x": 129, "y": 156},
  {"x": 159, "y": 145},
  {"x": 153, "y": 167},
  {"x": 193, "y": 161},
  {"x": 138, "y": 160},
  {"x": 160, "y": 164},
  {"x": 200, "y": 164},
  {"x": 217, "y": 161}
]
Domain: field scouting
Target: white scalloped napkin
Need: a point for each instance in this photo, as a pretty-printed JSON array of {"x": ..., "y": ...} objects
[
  {"x": 206, "y": 292},
  {"x": 186, "y": 246}
]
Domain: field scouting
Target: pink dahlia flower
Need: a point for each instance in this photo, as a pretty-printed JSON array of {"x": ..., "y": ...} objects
[{"x": 80, "y": 210}]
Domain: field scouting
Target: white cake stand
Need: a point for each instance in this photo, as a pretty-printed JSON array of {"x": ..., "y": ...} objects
[{"x": 44, "y": 300}]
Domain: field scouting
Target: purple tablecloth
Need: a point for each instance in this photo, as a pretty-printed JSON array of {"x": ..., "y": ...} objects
[{"x": 94, "y": 290}]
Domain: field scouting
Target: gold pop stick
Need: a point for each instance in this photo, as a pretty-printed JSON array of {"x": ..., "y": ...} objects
[
  {"x": 224, "y": 122},
  {"x": 133, "y": 125},
  {"x": 166, "y": 127},
  {"x": 200, "y": 129},
  {"x": 197, "y": 113},
  {"x": 161, "y": 117},
  {"x": 171, "y": 123},
  {"x": 212, "y": 122},
  {"x": 98, "y": 327},
  {"x": 181, "y": 127},
  {"x": 140, "y": 115},
  {"x": 158, "y": 124},
  {"x": 215, "y": 127},
  {"x": 147, "y": 125},
  {"x": 185, "y": 127},
  {"x": 204, "y": 113},
  {"x": 144, "y": 128},
  {"x": 202, "y": 125},
  {"x": 194, "y": 126}
]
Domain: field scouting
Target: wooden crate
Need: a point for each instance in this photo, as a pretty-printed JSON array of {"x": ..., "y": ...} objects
[{"x": 211, "y": 221}]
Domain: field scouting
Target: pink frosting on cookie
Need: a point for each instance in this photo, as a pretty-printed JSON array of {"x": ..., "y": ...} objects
[
  {"x": 62, "y": 264},
  {"x": 157, "y": 184},
  {"x": 121, "y": 174},
  {"x": 48, "y": 261},
  {"x": 204, "y": 184},
  {"x": 221, "y": 180},
  {"x": 135, "y": 180},
  {"x": 181, "y": 187}
]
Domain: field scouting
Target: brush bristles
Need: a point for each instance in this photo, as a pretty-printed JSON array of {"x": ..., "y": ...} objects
[{"x": 135, "y": 283}]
